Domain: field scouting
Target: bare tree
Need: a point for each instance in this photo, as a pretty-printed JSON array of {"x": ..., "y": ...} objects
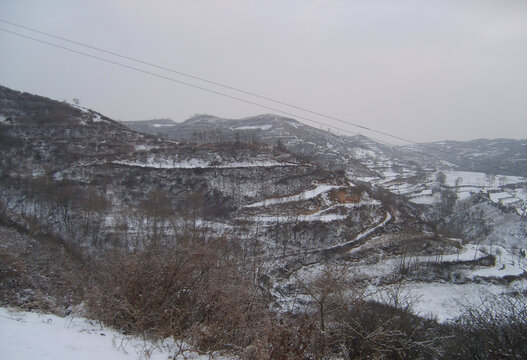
[
  {"x": 441, "y": 179},
  {"x": 94, "y": 208},
  {"x": 157, "y": 210}
]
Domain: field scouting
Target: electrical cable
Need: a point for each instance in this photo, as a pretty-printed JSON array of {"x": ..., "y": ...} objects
[
  {"x": 243, "y": 92},
  {"x": 241, "y": 99}
]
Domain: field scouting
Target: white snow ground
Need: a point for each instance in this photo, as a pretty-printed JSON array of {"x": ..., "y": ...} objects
[
  {"x": 464, "y": 183},
  {"x": 446, "y": 301},
  {"x": 254, "y": 127},
  {"x": 199, "y": 164},
  {"x": 308, "y": 194},
  {"x": 29, "y": 336}
]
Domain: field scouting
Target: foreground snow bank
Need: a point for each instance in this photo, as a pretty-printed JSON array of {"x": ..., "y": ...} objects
[{"x": 27, "y": 335}]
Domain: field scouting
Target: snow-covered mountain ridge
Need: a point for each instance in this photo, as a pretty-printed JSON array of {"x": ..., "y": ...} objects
[{"x": 503, "y": 156}]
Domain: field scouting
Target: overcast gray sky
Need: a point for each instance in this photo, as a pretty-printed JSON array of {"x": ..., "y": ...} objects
[{"x": 425, "y": 70}]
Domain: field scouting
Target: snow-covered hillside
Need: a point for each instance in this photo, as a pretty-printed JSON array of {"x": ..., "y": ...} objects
[
  {"x": 29, "y": 335},
  {"x": 265, "y": 208}
]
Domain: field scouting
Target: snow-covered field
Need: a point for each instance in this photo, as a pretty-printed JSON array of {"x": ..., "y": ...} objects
[
  {"x": 442, "y": 300},
  {"x": 31, "y": 336},
  {"x": 198, "y": 164},
  {"x": 308, "y": 194},
  {"x": 324, "y": 215},
  {"x": 464, "y": 183},
  {"x": 445, "y": 301},
  {"x": 254, "y": 127},
  {"x": 300, "y": 218}
]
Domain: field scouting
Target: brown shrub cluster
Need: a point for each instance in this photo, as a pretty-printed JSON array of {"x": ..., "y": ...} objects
[
  {"x": 39, "y": 273},
  {"x": 196, "y": 292}
]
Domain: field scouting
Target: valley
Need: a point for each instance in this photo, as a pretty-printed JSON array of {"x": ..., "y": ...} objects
[{"x": 314, "y": 218}]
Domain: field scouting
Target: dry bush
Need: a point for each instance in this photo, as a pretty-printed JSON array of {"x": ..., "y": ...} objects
[
  {"x": 11, "y": 270},
  {"x": 292, "y": 338},
  {"x": 196, "y": 293},
  {"x": 36, "y": 273},
  {"x": 378, "y": 331},
  {"x": 494, "y": 329}
]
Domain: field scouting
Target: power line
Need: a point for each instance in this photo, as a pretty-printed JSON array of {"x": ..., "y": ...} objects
[
  {"x": 203, "y": 88},
  {"x": 240, "y": 99},
  {"x": 172, "y": 79},
  {"x": 237, "y": 90}
]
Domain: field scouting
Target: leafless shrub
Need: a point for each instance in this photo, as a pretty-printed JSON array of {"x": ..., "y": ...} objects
[
  {"x": 496, "y": 328},
  {"x": 11, "y": 268},
  {"x": 196, "y": 293},
  {"x": 38, "y": 274},
  {"x": 293, "y": 338}
]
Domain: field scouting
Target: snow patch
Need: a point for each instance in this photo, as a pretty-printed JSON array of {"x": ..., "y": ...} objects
[
  {"x": 162, "y": 125},
  {"x": 309, "y": 194},
  {"x": 425, "y": 200},
  {"x": 480, "y": 179},
  {"x": 97, "y": 118},
  {"x": 81, "y": 108},
  {"x": 143, "y": 147},
  {"x": 198, "y": 164},
  {"x": 496, "y": 197},
  {"x": 364, "y": 153},
  {"x": 254, "y": 127}
]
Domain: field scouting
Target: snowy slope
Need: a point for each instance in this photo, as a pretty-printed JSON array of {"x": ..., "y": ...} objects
[{"x": 29, "y": 336}]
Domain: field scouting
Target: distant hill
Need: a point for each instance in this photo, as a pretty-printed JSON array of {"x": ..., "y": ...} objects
[{"x": 494, "y": 156}]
